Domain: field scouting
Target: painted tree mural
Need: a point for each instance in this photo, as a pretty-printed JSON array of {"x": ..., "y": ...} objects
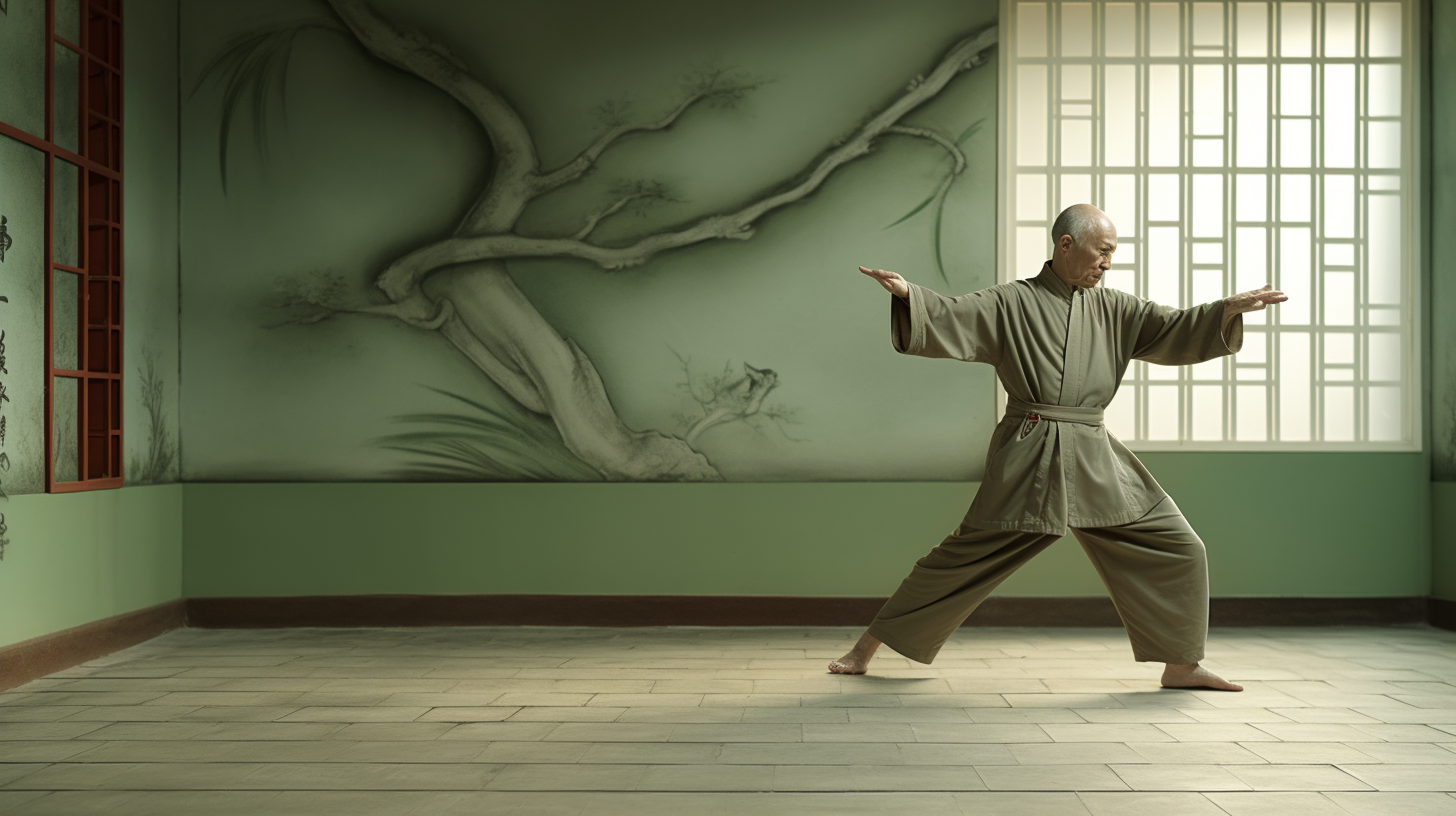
[{"x": 479, "y": 309}]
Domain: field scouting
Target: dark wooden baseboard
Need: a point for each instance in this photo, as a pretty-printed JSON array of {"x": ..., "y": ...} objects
[
  {"x": 25, "y": 661},
  {"x": 728, "y": 610},
  {"x": 1442, "y": 613}
]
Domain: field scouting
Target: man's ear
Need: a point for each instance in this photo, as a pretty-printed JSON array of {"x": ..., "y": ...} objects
[{"x": 1064, "y": 243}]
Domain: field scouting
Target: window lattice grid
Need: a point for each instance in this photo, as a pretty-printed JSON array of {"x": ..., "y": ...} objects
[{"x": 1234, "y": 144}]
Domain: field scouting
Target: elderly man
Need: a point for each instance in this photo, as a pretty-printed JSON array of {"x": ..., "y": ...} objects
[{"x": 1060, "y": 346}]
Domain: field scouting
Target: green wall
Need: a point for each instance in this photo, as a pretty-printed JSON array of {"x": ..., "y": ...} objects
[
  {"x": 1275, "y": 525},
  {"x": 1443, "y": 540},
  {"x": 79, "y": 557},
  {"x": 1441, "y": 294}
]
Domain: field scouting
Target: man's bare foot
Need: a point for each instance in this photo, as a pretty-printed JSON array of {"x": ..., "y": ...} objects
[
  {"x": 858, "y": 659},
  {"x": 1192, "y": 675}
]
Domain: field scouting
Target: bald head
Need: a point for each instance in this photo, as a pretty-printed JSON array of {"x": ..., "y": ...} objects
[
  {"x": 1078, "y": 221},
  {"x": 1083, "y": 239}
]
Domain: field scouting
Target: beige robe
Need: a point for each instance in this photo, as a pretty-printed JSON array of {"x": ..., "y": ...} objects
[{"x": 1057, "y": 345}]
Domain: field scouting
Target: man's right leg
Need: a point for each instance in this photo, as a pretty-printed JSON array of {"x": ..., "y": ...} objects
[{"x": 941, "y": 592}]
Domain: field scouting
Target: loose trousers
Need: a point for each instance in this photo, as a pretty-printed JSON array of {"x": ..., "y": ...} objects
[{"x": 1155, "y": 569}]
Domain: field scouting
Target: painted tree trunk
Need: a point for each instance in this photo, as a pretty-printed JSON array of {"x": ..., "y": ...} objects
[{"x": 498, "y": 329}]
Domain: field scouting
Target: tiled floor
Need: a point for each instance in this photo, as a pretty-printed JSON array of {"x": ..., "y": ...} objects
[{"x": 725, "y": 721}]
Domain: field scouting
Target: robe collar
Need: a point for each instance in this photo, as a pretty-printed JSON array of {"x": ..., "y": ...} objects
[{"x": 1054, "y": 284}]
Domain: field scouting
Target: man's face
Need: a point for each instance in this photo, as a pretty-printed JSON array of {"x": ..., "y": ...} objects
[{"x": 1087, "y": 262}]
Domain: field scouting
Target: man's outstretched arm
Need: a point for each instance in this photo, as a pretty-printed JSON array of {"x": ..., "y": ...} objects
[{"x": 927, "y": 324}]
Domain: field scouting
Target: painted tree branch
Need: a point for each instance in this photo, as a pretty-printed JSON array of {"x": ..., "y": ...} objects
[
  {"x": 516, "y": 162},
  {"x": 641, "y": 194},
  {"x": 432, "y": 316},
  {"x": 925, "y": 133},
  {"x": 409, "y": 272},
  {"x": 712, "y": 85}
]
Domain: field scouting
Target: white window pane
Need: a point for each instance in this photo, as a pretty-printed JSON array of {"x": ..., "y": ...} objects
[
  {"x": 1076, "y": 82},
  {"x": 1339, "y": 255},
  {"x": 1339, "y": 298},
  {"x": 1207, "y": 253},
  {"x": 1339, "y": 349},
  {"x": 1076, "y": 29},
  {"x": 1076, "y": 189},
  {"x": 1165, "y": 134},
  {"x": 1246, "y": 372},
  {"x": 1253, "y": 350},
  {"x": 1251, "y": 264},
  {"x": 1166, "y": 40},
  {"x": 1031, "y": 250},
  {"x": 1383, "y": 239},
  {"x": 1294, "y": 144},
  {"x": 1384, "y": 317},
  {"x": 1208, "y": 24},
  {"x": 1295, "y": 31},
  {"x": 1377, "y": 181},
  {"x": 1339, "y": 418},
  {"x": 1251, "y": 191},
  {"x": 1383, "y": 356},
  {"x": 1294, "y": 198},
  {"x": 1031, "y": 121},
  {"x": 1207, "y": 206},
  {"x": 1208, "y": 100},
  {"x": 1119, "y": 121},
  {"x": 1339, "y": 116},
  {"x": 1294, "y": 270},
  {"x": 1253, "y": 27},
  {"x": 1386, "y": 415},
  {"x": 1385, "y": 28},
  {"x": 1163, "y": 266},
  {"x": 1163, "y": 197},
  {"x": 1120, "y": 416},
  {"x": 1294, "y": 387},
  {"x": 1208, "y": 153},
  {"x": 1339, "y": 375},
  {"x": 1120, "y": 203},
  {"x": 1076, "y": 143},
  {"x": 1340, "y": 29},
  {"x": 1251, "y": 420},
  {"x": 1031, "y": 197},
  {"x": 1383, "y": 92},
  {"x": 1294, "y": 90},
  {"x": 1120, "y": 20},
  {"x": 1031, "y": 29},
  {"x": 1339, "y": 206},
  {"x": 1163, "y": 411},
  {"x": 1207, "y": 412},
  {"x": 1253, "y": 115},
  {"x": 1208, "y": 287},
  {"x": 1209, "y": 370},
  {"x": 1384, "y": 146}
]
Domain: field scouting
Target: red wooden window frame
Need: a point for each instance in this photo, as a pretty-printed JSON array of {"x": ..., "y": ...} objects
[{"x": 98, "y": 412}]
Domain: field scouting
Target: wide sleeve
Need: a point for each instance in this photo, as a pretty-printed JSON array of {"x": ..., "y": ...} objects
[
  {"x": 966, "y": 328},
  {"x": 1169, "y": 336}
]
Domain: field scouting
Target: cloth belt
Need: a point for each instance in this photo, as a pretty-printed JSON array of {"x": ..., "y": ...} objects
[{"x": 1056, "y": 413}]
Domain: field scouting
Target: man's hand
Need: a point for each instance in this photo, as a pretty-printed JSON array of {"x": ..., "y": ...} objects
[
  {"x": 893, "y": 283},
  {"x": 1254, "y": 300}
]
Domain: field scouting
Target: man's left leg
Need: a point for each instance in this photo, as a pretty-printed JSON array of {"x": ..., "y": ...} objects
[{"x": 1156, "y": 570}]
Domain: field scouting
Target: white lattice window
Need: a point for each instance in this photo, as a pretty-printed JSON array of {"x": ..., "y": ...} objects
[{"x": 1234, "y": 144}]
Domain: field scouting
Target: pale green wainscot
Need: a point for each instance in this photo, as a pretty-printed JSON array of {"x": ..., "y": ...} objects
[
  {"x": 81, "y": 557},
  {"x": 1299, "y": 525}
]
